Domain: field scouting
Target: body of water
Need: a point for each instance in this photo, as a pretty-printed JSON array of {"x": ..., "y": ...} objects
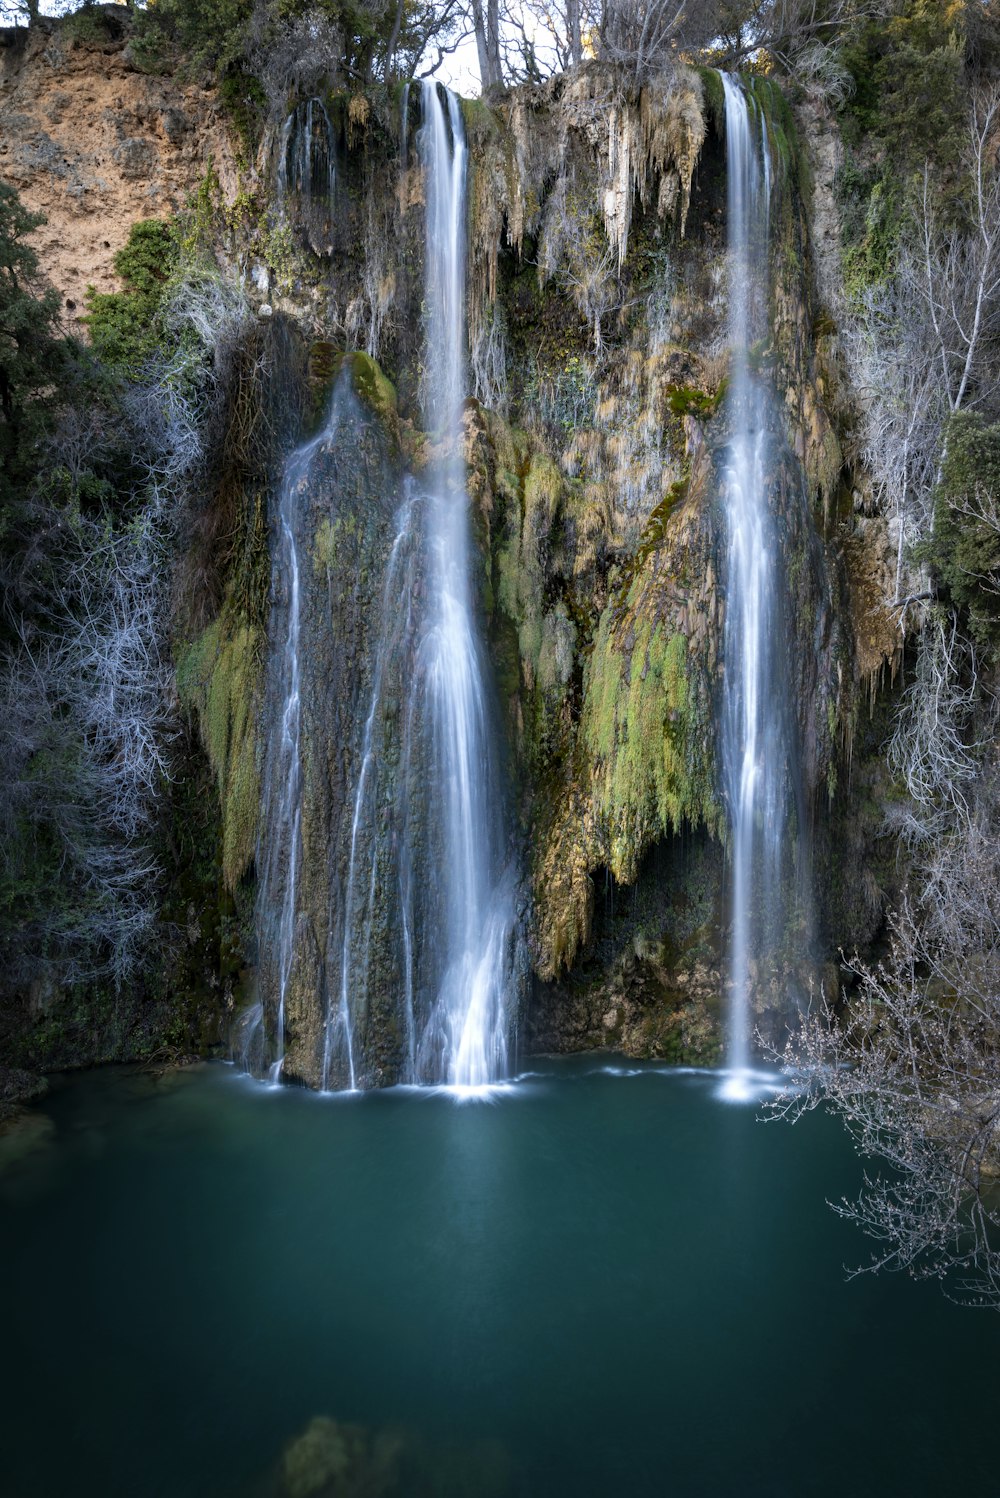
[{"x": 601, "y": 1281}]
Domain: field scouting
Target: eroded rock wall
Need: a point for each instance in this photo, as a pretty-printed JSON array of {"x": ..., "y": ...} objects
[
  {"x": 596, "y": 434},
  {"x": 95, "y": 143}
]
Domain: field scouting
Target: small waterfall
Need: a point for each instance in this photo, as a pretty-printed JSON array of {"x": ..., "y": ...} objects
[
  {"x": 358, "y": 912},
  {"x": 307, "y": 170},
  {"x": 755, "y": 744},
  {"x": 279, "y": 850}
]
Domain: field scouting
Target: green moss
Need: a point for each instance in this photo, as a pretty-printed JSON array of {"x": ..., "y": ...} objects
[
  {"x": 656, "y": 526},
  {"x": 639, "y": 728},
  {"x": 371, "y": 385},
  {"x": 687, "y": 400},
  {"x": 218, "y": 679},
  {"x": 715, "y": 99},
  {"x": 482, "y": 125}
]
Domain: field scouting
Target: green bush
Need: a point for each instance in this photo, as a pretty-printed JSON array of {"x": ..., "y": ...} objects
[
  {"x": 125, "y": 328},
  {"x": 964, "y": 550}
]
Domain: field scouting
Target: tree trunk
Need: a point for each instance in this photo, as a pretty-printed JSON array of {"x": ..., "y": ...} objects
[
  {"x": 487, "y": 28},
  {"x": 390, "y": 51},
  {"x": 573, "y": 38}
]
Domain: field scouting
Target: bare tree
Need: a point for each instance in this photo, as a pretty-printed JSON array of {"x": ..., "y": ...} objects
[
  {"x": 902, "y": 409},
  {"x": 539, "y": 38},
  {"x": 924, "y": 346},
  {"x": 914, "y": 1072},
  {"x": 959, "y": 273},
  {"x": 638, "y": 35},
  {"x": 84, "y": 725},
  {"x": 933, "y": 748},
  {"x": 913, "y": 1064}
]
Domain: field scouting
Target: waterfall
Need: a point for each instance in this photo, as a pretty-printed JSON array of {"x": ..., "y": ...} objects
[
  {"x": 279, "y": 849},
  {"x": 426, "y": 827},
  {"x": 464, "y": 1039},
  {"x": 385, "y": 913},
  {"x": 755, "y": 751},
  {"x": 307, "y": 170}
]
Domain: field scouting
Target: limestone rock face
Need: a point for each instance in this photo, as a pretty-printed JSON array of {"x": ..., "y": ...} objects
[
  {"x": 343, "y": 509},
  {"x": 596, "y": 438},
  {"x": 95, "y": 144}
]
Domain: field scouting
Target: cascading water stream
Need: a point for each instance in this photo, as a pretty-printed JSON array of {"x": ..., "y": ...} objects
[
  {"x": 465, "y": 1038},
  {"x": 386, "y": 908},
  {"x": 754, "y": 747},
  {"x": 307, "y": 171},
  {"x": 280, "y": 851},
  {"x": 424, "y": 901},
  {"x": 398, "y": 584}
]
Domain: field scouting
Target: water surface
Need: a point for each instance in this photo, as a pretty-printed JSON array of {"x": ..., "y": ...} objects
[{"x": 603, "y": 1281}]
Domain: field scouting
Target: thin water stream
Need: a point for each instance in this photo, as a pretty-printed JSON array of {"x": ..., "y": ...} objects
[{"x": 755, "y": 752}]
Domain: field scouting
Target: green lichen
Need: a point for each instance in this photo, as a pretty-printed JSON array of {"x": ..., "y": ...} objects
[
  {"x": 284, "y": 258},
  {"x": 218, "y": 679},
  {"x": 370, "y": 385},
  {"x": 639, "y": 729},
  {"x": 329, "y": 540},
  {"x": 522, "y": 581}
]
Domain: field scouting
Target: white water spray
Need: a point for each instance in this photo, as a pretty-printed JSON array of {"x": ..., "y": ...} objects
[
  {"x": 464, "y": 1040},
  {"x": 280, "y": 849},
  {"x": 754, "y": 740}
]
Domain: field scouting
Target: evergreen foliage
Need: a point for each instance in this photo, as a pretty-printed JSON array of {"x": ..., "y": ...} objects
[
  {"x": 125, "y": 326},
  {"x": 964, "y": 549},
  {"x": 33, "y": 354}
]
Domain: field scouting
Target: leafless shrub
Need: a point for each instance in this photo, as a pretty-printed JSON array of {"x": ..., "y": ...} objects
[
  {"x": 924, "y": 346},
  {"x": 574, "y": 251},
  {"x": 930, "y": 747},
  {"x": 822, "y": 74},
  {"x": 913, "y": 1067},
  {"x": 303, "y": 55},
  {"x": 488, "y": 360},
  {"x": 914, "y": 1072},
  {"x": 86, "y": 719}
]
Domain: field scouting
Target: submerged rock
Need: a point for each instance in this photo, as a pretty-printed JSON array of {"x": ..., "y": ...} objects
[{"x": 17, "y": 1089}]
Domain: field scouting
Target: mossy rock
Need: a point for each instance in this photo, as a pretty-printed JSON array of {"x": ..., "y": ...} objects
[
  {"x": 218, "y": 678},
  {"x": 370, "y": 385}
]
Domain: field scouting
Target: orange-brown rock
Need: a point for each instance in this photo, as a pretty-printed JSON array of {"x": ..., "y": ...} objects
[{"x": 95, "y": 144}]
